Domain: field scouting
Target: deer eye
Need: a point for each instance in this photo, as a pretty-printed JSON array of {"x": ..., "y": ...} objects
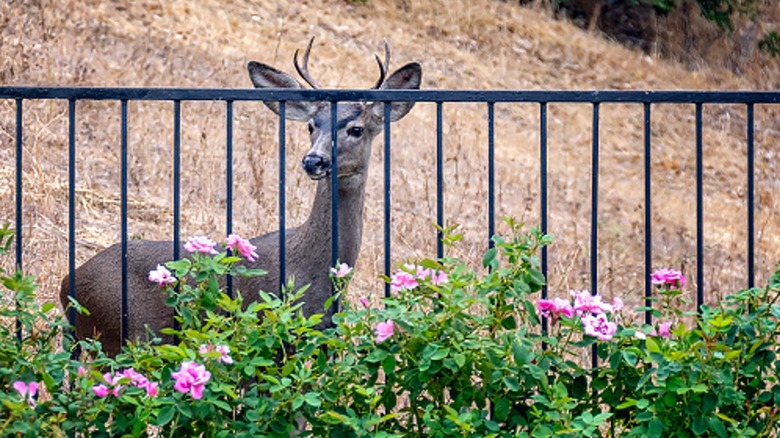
[
  {"x": 310, "y": 127},
  {"x": 355, "y": 131}
]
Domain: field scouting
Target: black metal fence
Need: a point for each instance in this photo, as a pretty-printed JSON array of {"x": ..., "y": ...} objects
[{"x": 439, "y": 97}]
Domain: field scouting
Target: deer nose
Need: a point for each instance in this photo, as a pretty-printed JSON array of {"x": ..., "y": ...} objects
[{"x": 316, "y": 166}]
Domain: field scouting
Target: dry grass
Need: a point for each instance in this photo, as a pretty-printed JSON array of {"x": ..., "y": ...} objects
[{"x": 462, "y": 44}]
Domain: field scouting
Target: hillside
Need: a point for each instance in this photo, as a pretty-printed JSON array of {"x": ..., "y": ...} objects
[{"x": 462, "y": 44}]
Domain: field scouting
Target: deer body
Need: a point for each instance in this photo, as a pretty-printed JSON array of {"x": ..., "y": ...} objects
[{"x": 308, "y": 254}]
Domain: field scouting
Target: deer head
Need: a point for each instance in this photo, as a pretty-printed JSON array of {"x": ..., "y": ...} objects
[{"x": 358, "y": 123}]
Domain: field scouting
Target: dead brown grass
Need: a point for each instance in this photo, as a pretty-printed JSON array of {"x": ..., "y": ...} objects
[{"x": 462, "y": 44}]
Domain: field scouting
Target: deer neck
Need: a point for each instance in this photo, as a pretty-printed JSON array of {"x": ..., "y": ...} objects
[{"x": 317, "y": 229}]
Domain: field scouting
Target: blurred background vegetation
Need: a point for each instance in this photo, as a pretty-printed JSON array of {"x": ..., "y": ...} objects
[{"x": 728, "y": 32}]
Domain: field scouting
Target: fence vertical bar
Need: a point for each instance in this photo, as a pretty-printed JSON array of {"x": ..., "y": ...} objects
[
  {"x": 594, "y": 225},
  {"x": 699, "y": 210},
  {"x": 19, "y": 193},
  {"x": 72, "y": 207},
  {"x": 123, "y": 208},
  {"x": 334, "y": 185},
  {"x": 282, "y": 195},
  {"x": 176, "y": 177},
  {"x": 491, "y": 174},
  {"x": 751, "y": 231},
  {"x": 388, "y": 107},
  {"x": 229, "y": 181},
  {"x": 439, "y": 179},
  {"x": 543, "y": 194},
  {"x": 19, "y": 181},
  {"x": 75, "y": 352},
  {"x": 648, "y": 217},
  {"x": 176, "y": 190}
]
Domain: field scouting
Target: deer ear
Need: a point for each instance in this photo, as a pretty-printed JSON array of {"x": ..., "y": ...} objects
[
  {"x": 265, "y": 76},
  {"x": 407, "y": 77}
]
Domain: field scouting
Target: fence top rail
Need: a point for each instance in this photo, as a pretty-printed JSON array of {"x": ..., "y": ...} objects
[{"x": 538, "y": 96}]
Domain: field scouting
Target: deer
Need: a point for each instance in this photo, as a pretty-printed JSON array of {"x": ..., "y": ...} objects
[{"x": 308, "y": 246}]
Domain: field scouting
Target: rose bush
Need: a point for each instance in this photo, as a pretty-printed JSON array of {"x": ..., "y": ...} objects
[{"x": 455, "y": 350}]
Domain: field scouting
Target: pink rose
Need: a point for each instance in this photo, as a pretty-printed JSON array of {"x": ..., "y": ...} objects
[
  {"x": 670, "y": 277},
  {"x": 223, "y": 350},
  {"x": 242, "y": 246},
  {"x": 599, "y": 327},
  {"x": 384, "y": 330},
  {"x": 224, "y": 357},
  {"x": 617, "y": 304},
  {"x": 151, "y": 389},
  {"x": 555, "y": 308},
  {"x": 100, "y": 390},
  {"x": 341, "y": 271},
  {"x": 201, "y": 244},
  {"x": 664, "y": 329},
  {"x": 191, "y": 378},
  {"x": 27, "y": 391},
  {"x": 402, "y": 280},
  {"x": 438, "y": 278},
  {"x": 113, "y": 381},
  {"x": 584, "y": 302},
  {"x": 161, "y": 276},
  {"x": 135, "y": 377},
  {"x": 364, "y": 301}
]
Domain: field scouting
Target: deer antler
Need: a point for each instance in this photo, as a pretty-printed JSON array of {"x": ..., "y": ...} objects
[
  {"x": 304, "y": 71},
  {"x": 382, "y": 67}
]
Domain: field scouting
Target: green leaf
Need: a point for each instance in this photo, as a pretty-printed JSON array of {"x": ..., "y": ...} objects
[
  {"x": 227, "y": 389},
  {"x": 725, "y": 417},
  {"x": 388, "y": 364},
  {"x": 376, "y": 356},
  {"x": 521, "y": 353},
  {"x": 699, "y": 426},
  {"x": 655, "y": 428},
  {"x": 252, "y": 415},
  {"x": 312, "y": 399},
  {"x": 261, "y": 362},
  {"x": 652, "y": 346},
  {"x": 717, "y": 426},
  {"x": 490, "y": 256},
  {"x": 460, "y": 359},
  {"x": 585, "y": 342},
  {"x": 501, "y": 409},
  {"x": 165, "y": 415},
  {"x": 440, "y": 354},
  {"x": 720, "y": 322},
  {"x": 230, "y": 259},
  {"x": 512, "y": 383},
  {"x": 776, "y": 394},
  {"x": 629, "y": 357},
  {"x": 222, "y": 405},
  {"x": 535, "y": 279},
  {"x": 180, "y": 267},
  {"x": 171, "y": 350}
]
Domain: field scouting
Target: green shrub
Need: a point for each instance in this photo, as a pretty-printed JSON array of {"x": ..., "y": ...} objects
[{"x": 453, "y": 351}]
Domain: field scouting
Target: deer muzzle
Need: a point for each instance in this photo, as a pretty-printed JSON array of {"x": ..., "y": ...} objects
[{"x": 316, "y": 166}]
